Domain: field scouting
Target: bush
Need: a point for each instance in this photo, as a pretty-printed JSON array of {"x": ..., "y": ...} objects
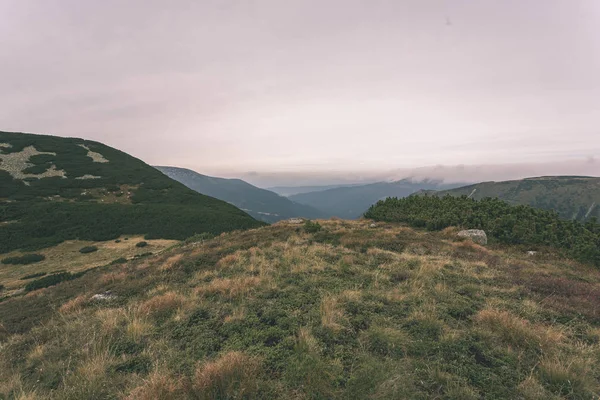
[
  {"x": 24, "y": 259},
  {"x": 199, "y": 237},
  {"x": 141, "y": 244},
  {"x": 312, "y": 227},
  {"x": 31, "y": 276},
  {"x": 2, "y": 288},
  {"x": 505, "y": 223},
  {"x": 50, "y": 280},
  {"x": 118, "y": 241},
  {"x": 88, "y": 249}
]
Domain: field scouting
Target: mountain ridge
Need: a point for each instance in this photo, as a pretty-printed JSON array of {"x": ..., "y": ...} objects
[
  {"x": 260, "y": 203},
  {"x": 55, "y": 189},
  {"x": 572, "y": 197}
]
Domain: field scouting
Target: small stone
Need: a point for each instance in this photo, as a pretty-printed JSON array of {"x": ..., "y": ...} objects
[{"x": 104, "y": 296}]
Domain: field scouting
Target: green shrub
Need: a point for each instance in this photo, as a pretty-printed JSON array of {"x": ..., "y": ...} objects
[
  {"x": 88, "y": 249},
  {"x": 50, "y": 280},
  {"x": 199, "y": 237},
  {"x": 121, "y": 260},
  {"x": 505, "y": 223},
  {"x": 24, "y": 259},
  {"x": 312, "y": 227},
  {"x": 31, "y": 276},
  {"x": 118, "y": 241},
  {"x": 141, "y": 244},
  {"x": 2, "y": 288}
]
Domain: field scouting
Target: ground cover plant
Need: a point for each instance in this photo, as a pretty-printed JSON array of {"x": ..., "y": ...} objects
[
  {"x": 347, "y": 312},
  {"x": 522, "y": 225}
]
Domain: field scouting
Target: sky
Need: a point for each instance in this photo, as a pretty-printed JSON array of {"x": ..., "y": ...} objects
[{"x": 313, "y": 91}]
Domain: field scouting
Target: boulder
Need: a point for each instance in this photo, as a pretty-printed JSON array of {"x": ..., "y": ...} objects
[
  {"x": 373, "y": 226},
  {"x": 296, "y": 220},
  {"x": 476, "y": 235},
  {"x": 103, "y": 296},
  {"x": 531, "y": 253}
]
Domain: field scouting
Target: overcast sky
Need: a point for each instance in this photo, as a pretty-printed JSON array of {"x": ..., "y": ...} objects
[{"x": 313, "y": 87}]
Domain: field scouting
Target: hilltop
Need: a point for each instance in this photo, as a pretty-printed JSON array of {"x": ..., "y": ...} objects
[
  {"x": 261, "y": 204},
  {"x": 351, "y": 202},
  {"x": 56, "y": 189},
  {"x": 335, "y": 309},
  {"x": 573, "y": 197}
]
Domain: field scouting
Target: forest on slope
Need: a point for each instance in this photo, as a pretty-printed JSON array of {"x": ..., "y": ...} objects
[{"x": 55, "y": 189}]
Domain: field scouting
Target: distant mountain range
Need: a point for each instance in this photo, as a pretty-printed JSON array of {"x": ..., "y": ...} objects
[
  {"x": 352, "y": 201},
  {"x": 293, "y": 190},
  {"x": 573, "y": 197},
  {"x": 54, "y": 189},
  {"x": 260, "y": 203}
]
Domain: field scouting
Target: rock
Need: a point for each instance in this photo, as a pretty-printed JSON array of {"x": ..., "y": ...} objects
[
  {"x": 373, "y": 226},
  {"x": 476, "y": 235},
  {"x": 104, "y": 296},
  {"x": 531, "y": 253},
  {"x": 295, "y": 221}
]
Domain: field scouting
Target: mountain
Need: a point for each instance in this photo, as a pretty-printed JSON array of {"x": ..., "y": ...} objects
[
  {"x": 573, "y": 197},
  {"x": 55, "y": 189},
  {"x": 260, "y": 203},
  {"x": 342, "y": 312},
  {"x": 292, "y": 190},
  {"x": 351, "y": 202}
]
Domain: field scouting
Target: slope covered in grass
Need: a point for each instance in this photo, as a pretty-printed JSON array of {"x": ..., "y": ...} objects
[
  {"x": 347, "y": 312},
  {"x": 55, "y": 189}
]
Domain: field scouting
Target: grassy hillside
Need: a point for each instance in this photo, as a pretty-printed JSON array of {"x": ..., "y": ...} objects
[
  {"x": 347, "y": 312},
  {"x": 56, "y": 189},
  {"x": 505, "y": 223},
  {"x": 351, "y": 202},
  {"x": 262, "y": 204},
  {"x": 573, "y": 197}
]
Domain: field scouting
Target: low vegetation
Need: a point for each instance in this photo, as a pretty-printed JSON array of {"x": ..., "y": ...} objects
[
  {"x": 141, "y": 244},
  {"x": 24, "y": 259},
  {"x": 520, "y": 225},
  {"x": 346, "y": 312},
  {"x": 88, "y": 249}
]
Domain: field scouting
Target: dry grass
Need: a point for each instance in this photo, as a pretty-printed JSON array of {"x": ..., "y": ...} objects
[
  {"x": 160, "y": 385},
  {"x": 113, "y": 277},
  {"x": 110, "y": 319},
  {"x": 73, "y": 305},
  {"x": 161, "y": 304},
  {"x": 331, "y": 313},
  {"x": 518, "y": 332},
  {"x": 231, "y": 376},
  {"x": 170, "y": 262},
  {"x": 229, "y": 287}
]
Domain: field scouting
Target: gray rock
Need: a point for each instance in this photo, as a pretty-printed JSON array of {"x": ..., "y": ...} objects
[
  {"x": 531, "y": 253},
  {"x": 295, "y": 221},
  {"x": 373, "y": 226},
  {"x": 103, "y": 296},
  {"x": 476, "y": 235}
]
